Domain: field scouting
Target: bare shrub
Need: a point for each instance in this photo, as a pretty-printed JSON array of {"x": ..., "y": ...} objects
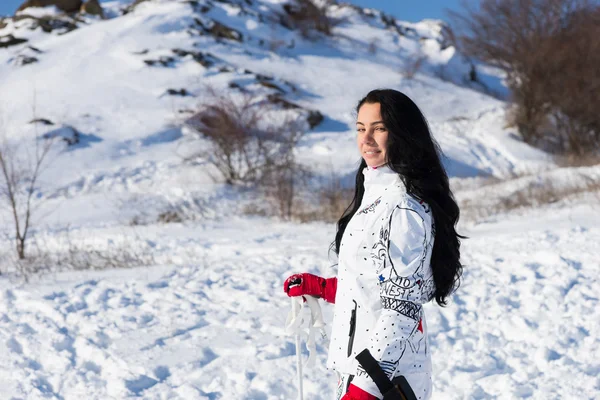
[
  {"x": 20, "y": 170},
  {"x": 60, "y": 252},
  {"x": 531, "y": 191},
  {"x": 573, "y": 87},
  {"x": 303, "y": 197},
  {"x": 573, "y": 160},
  {"x": 411, "y": 65},
  {"x": 372, "y": 47},
  {"x": 441, "y": 71},
  {"x": 550, "y": 51},
  {"x": 191, "y": 207},
  {"x": 309, "y": 16},
  {"x": 283, "y": 185},
  {"x": 243, "y": 145},
  {"x": 333, "y": 198}
]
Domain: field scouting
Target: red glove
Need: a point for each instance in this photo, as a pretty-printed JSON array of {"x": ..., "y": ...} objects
[
  {"x": 312, "y": 285},
  {"x": 356, "y": 393}
]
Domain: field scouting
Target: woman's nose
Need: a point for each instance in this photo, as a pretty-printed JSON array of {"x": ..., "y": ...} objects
[{"x": 367, "y": 138}]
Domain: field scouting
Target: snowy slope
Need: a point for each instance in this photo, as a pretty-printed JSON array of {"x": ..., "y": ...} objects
[
  {"x": 205, "y": 319},
  {"x": 524, "y": 324}
]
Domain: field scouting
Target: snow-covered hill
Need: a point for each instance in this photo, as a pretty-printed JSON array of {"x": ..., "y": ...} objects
[{"x": 205, "y": 319}]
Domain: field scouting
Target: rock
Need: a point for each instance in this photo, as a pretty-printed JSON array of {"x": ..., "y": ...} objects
[
  {"x": 49, "y": 23},
  {"x": 180, "y": 92},
  {"x": 270, "y": 85},
  {"x": 162, "y": 60},
  {"x": 69, "y": 6},
  {"x": 10, "y": 40},
  {"x": 92, "y": 7},
  {"x": 22, "y": 59},
  {"x": 207, "y": 60},
  {"x": 283, "y": 103},
  {"x": 133, "y": 5},
  {"x": 314, "y": 118},
  {"x": 219, "y": 30},
  {"x": 42, "y": 121}
]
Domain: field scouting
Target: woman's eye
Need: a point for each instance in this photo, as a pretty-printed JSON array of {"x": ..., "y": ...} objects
[
  {"x": 380, "y": 128},
  {"x": 361, "y": 129}
]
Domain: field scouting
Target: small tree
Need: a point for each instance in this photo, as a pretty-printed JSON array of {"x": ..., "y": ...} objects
[
  {"x": 412, "y": 64},
  {"x": 283, "y": 183},
  {"x": 20, "y": 172},
  {"x": 242, "y": 144},
  {"x": 549, "y": 52}
]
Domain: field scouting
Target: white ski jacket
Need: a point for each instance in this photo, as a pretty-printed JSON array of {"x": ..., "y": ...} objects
[{"x": 384, "y": 277}]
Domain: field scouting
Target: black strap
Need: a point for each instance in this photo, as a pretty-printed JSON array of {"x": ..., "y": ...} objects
[
  {"x": 350, "y": 378},
  {"x": 372, "y": 367}
]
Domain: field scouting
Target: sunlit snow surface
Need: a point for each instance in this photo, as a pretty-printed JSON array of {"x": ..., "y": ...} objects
[{"x": 207, "y": 321}]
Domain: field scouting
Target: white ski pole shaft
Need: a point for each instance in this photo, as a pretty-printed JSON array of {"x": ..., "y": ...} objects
[{"x": 295, "y": 309}]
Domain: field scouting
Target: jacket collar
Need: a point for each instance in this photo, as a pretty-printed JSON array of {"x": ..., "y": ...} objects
[{"x": 377, "y": 179}]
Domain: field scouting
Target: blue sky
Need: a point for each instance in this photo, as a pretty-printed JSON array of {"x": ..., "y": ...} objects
[{"x": 408, "y": 10}]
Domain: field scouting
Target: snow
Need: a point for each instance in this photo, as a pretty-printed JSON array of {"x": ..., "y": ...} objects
[
  {"x": 39, "y": 12},
  {"x": 203, "y": 316}
]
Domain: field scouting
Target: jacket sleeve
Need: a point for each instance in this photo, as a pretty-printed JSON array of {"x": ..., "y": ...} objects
[{"x": 400, "y": 261}]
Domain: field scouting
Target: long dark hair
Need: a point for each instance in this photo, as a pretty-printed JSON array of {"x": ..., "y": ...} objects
[{"x": 415, "y": 156}]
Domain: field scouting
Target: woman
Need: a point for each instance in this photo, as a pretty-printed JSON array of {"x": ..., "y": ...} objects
[{"x": 397, "y": 249}]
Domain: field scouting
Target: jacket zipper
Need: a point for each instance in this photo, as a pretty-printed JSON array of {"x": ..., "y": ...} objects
[{"x": 352, "y": 329}]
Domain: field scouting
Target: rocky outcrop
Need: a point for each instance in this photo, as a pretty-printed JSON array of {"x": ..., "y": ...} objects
[
  {"x": 218, "y": 30},
  {"x": 92, "y": 7},
  {"x": 132, "y": 6},
  {"x": 10, "y": 40},
  {"x": 69, "y": 6},
  {"x": 63, "y": 24}
]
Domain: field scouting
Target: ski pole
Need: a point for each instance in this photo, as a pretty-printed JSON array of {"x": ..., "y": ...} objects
[{"x": 296, "y": 309}]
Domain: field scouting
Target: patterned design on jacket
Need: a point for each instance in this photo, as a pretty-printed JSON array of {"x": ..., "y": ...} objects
[
  {"x": 387, "y": 366},
  {"x": 405, "y": 287},
  {"x": 406, "y": 308},
  {"x": 379, "y": 253},
  {"x": 370, "y": 208}
]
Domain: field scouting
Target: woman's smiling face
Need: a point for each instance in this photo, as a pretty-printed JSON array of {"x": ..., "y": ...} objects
[{"x": 372, "y": 135}]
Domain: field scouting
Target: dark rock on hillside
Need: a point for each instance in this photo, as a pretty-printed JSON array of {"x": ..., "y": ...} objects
[
  {"x": 92, "y": 7},
  {"x": 219, "y": 30},
  {"x": 314, "y": 118},
  {"x": 447, "y": 38},
  {"x": 132, "y": 6},
  {"x": 22, "y": 59},
  {"x": 69, "y": 6},
  {"x": 42, "y": 121},
  {"x": 50, "y": 23},
  {"x": 10, "y": 40},
  {"x": 180, "y": 92},
  {"x": 269, "y": 84},
  {"x": 205, "y": 59},
  {"x": 283, "y": 103},
  {"x": 162, "y": 61}
]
